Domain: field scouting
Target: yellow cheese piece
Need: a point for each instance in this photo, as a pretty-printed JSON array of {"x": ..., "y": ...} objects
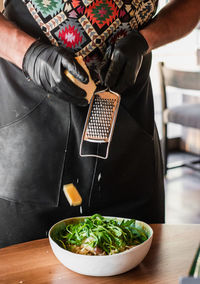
[
  {"x": 90, "y": 87},
  {"x": 72, "y": 194}
]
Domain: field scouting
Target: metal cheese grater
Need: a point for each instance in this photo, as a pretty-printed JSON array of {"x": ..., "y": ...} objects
[{"x": 100, "y": 121}]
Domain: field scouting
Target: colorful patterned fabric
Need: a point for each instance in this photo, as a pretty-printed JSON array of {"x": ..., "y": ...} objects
[{"x": 89, "y": 26}]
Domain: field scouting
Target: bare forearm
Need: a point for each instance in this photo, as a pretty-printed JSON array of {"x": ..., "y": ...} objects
[
  {"x": 174, "y": 21},
  {"x": 14, "y": 42}
]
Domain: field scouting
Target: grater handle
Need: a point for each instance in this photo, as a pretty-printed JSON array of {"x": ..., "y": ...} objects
[{"x": 90, "y": 87}]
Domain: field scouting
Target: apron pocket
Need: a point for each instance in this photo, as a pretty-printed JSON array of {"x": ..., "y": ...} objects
[
  {"x": 18, "y": 96},
  {"x": 32, "y": 152}
]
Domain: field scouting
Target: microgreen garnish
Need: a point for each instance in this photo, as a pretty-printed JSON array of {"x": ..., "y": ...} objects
[{"x": 108, "y": 235}]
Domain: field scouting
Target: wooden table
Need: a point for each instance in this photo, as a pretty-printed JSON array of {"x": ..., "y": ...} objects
[{"x": 170, "y": 256}]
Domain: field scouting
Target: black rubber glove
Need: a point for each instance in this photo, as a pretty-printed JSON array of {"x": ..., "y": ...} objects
[
  {"x": 121, "y": 63},
  {"x": 45, "y": 65}
]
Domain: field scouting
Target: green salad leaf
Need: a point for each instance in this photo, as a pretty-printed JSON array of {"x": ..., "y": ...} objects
[{"x": 108, "y": 235}]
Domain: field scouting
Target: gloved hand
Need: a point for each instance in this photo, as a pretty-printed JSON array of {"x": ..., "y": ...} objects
[
  {"x": 121, "y": 63},
  {"x": 45, "y": 65}
]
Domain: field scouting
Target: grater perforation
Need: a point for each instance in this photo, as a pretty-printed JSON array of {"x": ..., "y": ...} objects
[{"x": 101, "y": 119}]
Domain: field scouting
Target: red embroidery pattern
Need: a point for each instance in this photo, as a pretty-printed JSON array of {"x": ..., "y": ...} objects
[
  {"x": 102, "y": 12},
  {"x": 70, "y": 37}
]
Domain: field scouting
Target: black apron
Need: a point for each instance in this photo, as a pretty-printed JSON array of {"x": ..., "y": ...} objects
[{"x": 39, "y": 152}]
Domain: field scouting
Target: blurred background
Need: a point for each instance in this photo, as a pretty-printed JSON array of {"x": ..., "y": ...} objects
[{"x": 182, "y": 183}]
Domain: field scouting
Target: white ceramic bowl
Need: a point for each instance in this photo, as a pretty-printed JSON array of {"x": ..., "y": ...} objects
[{"x": 98, "y": 265}]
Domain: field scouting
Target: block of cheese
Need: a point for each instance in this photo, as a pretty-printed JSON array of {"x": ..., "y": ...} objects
[
  {"x": 90, "y": 86},
  {"x": 72, "y": 194}
]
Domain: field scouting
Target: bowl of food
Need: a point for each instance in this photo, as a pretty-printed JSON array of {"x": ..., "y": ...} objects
[{"x": 100, "y": 246}]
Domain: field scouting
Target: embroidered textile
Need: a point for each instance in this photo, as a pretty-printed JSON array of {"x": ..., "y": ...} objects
[{"x": 89, "y": 26}]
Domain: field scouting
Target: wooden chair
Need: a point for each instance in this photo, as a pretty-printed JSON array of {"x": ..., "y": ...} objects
[{"x": 187, "y": 114}]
